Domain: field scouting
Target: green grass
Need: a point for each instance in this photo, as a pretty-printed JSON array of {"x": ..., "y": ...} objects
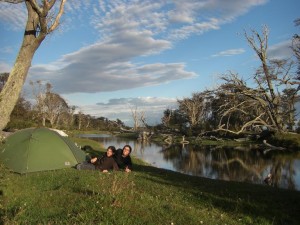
[{"x": 148, "y": 195}]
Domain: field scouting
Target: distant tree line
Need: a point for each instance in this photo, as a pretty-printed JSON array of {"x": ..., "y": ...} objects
[{"x": 51, "y": 110}]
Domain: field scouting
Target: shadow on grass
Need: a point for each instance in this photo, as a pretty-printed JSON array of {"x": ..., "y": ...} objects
[{"x": 279, "y": 206}]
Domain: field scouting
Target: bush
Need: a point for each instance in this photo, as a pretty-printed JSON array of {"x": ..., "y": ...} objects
[
  {"x": 20, "y": 124},
  {"x": 287, "y": 140}
]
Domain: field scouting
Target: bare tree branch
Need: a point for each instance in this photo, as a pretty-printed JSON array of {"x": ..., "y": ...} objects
[{"x": 57, "y": 19}]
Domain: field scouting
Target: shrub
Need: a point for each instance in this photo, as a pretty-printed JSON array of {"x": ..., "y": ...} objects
[
  {"x": 287, "y": 140},
  {"x": 20, "y": 124}
]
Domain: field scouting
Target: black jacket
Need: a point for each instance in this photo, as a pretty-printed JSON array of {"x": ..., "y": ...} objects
[
  {"x": 106, "y": 163},
  {"x": 122, "y": 162}
]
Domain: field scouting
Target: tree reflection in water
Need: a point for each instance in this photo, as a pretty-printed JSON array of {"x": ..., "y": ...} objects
[{"x": 235, "y": 164}]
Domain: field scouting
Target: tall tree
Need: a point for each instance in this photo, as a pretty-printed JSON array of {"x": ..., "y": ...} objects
[
  {"x": 39, "y": 24},
  {"x": 50, "y": 106}
]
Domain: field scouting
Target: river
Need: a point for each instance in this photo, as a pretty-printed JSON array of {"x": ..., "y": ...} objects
[{"x": 225, "y": 163}]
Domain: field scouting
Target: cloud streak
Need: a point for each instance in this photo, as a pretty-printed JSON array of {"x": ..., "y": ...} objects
[{"x": 229, "y": 52}]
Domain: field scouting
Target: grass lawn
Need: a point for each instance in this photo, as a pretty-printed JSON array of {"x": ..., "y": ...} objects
[{"x": 147, "y": 195}]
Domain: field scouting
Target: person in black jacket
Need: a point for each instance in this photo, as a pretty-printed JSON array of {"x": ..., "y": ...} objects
[
  {"x": 123, "y": 159},
  {"x": 104, "y": 163},
  {"x": 107, "y": 161}
]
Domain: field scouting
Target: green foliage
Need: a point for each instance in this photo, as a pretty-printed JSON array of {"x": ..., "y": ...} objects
[
  {"x": 21, "y": 116},
  {"x": 20, "y": 124},
  {"x": 128, "y": 135}
]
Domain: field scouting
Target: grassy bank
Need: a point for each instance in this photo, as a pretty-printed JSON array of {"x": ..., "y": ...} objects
[{"x": 146, "y": 196}]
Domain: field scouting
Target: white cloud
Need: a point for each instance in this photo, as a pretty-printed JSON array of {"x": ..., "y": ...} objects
[
  {"x": 175, "y": 19},
  {"x": 281, "y": 50},
  {"x": 229, "y": 52},
  {"x": 107, "y": 67},
  {"x": 114, "y": 17},
  {"x": 197, "y": 17}
]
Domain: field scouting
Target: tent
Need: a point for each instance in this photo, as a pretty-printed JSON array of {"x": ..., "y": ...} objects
[{"x": 39, "y": 149}]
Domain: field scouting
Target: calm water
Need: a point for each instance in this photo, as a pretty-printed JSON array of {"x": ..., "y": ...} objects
[{"x": 235, "y": 164}]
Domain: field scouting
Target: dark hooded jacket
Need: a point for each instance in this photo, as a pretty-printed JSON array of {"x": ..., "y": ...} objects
[{"x": 122, "y": 162}]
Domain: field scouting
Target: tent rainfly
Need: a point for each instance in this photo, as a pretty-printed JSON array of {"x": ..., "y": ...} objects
[{"x": 39, "y": 149}]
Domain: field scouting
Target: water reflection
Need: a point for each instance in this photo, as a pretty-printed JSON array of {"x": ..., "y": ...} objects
[{"x": 226, "y": 163}]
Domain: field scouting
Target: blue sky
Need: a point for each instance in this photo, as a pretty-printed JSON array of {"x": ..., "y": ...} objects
[{"x": 109, "y": 57}]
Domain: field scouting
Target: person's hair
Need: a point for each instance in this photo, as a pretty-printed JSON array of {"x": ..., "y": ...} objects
[
  {"x": 112, "y": 148},
  {"x": 128, "y": 147}
]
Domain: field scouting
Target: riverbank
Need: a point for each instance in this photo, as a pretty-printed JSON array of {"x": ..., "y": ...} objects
[{"x": 148, "y": 195}]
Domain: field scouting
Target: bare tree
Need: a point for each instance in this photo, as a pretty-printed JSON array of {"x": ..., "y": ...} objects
[
  {"x": 193, "y": 108},
  {"x": 135, "y": 117},
  {"x": 264, "y": 105},
  {"x": 39, "y": 92},
  {"x": 240, "y": 108},
  {"x": 39, "y": 24},
  {"x": 167, "y": 117},
  {"x": 50, "y": 106},
  {"x": 143, "y": 119},
  {"x": 55, "y": 107},
  {"x": 80, "y": 116},
  {"x": 88, "y": 119},
  {"x": 139, "y": 118}
]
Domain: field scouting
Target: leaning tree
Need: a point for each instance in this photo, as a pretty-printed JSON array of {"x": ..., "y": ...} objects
[{"x": 42, "y": 19}]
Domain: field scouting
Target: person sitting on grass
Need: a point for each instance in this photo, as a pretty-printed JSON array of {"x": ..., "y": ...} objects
[
  {"x": 123, "y": 159},
  {"x": 104, "y": 163}
]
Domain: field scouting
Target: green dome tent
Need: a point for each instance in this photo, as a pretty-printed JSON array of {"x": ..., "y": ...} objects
[{"x": 39, "y": 149}]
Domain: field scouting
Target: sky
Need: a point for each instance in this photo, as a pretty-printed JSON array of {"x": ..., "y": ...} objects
[{"x": 112, "y": 57}]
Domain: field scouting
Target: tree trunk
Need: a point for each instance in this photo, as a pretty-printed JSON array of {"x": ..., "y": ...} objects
[
  {"x": 13, "y": 87},
  {"x": 35, "y": 32}
]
